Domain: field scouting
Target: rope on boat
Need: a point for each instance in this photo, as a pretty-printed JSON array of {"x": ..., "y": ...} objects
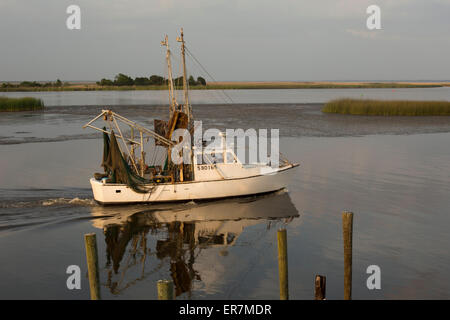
[{"x": 206, "y": 71}]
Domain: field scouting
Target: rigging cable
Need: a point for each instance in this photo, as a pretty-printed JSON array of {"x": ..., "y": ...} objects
[
  {"x": 210, "y": 93},
  {"x": 206, "y": 71}
]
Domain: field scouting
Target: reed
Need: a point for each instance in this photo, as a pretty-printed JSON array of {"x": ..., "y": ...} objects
[
  {"x": 388, "y": 107},
  {"x": 20, "y": 104}
]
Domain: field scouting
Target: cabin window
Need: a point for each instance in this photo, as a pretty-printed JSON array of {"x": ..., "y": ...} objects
[
  {"x": 199, "y": 158},
  {"x": 230, "y": 158},
  {"x": 218, "y": 158}
]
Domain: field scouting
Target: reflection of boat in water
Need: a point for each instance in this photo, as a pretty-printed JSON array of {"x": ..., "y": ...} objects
[{"x": 177, "y": 234}]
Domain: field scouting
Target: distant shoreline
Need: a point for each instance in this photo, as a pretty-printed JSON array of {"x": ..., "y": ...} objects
[{"x": 236, "y": 85}]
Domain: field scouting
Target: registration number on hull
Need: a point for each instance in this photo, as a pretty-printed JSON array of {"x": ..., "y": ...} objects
[{"x": 206, "y": 167}]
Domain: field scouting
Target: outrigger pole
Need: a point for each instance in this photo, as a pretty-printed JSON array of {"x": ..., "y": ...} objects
[
  {"x": 113, "y": 117},
  {"x": 131, "y": 124}
]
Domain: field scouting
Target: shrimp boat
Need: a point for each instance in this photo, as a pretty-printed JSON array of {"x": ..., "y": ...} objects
[{"x": 132, "y": 173}]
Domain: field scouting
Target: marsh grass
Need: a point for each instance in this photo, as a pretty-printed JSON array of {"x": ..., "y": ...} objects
[
  {"x": 388, "y": 107},
  {"x": 20, "y": 104}
]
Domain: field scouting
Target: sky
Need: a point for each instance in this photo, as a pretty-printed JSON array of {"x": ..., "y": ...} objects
[{"x": 235, "y": 40}]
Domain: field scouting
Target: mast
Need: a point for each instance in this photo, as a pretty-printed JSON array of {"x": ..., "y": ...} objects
[
  {"x": 173, "y": 101},
  {"x": 187, "y": 107},
  {"x": 188, "y": 168}
]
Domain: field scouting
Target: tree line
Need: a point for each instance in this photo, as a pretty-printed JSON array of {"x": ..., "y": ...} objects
[
  {"x": 154, "y": 80},
  {"x": 119, "y": 80},
  {"x": 34, "y": 84}
]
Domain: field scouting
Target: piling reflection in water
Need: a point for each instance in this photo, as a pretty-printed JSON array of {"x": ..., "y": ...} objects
[{"x": 177, "y": 233}]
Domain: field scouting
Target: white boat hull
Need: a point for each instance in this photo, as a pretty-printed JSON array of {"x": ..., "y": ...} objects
[{"x": 106, "y": 193}]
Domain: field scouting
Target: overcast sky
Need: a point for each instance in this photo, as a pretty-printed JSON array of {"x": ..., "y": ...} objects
[{"x": 234, "y": 39}]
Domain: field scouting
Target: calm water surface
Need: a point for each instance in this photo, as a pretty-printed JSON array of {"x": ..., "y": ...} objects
[
  {"x": 393, "y": 173},
  {"x": 136, "y": 97}
]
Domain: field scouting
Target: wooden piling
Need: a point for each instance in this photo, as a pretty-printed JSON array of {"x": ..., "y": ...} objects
[
  {"x": 283, "y": 264},
  {"x": 92, "y": 264},
  {"x": 165, "y": 289},
  {"x": 347, "y": 228},
  {"x": 320, "y": 284}
]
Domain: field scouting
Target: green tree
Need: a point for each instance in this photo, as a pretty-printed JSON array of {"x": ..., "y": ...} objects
[
  {"x": 141, "y": 81},
  {"x": 58, "y": 83},
  {"x": 30, "y": 84},
  {"x": 105, "y": 82},
  {"x": 178, "y": 82},
  {"x": 123, "y": 80},
  {"x": 192, "y": 81},
  {"x": 201, "y": 80},
  {"x": 156, "y": 80}
]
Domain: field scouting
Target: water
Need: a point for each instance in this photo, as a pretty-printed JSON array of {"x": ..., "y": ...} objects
[
  {"x": 393, "y": 173},
  {"x": 139, "y": 97}
]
